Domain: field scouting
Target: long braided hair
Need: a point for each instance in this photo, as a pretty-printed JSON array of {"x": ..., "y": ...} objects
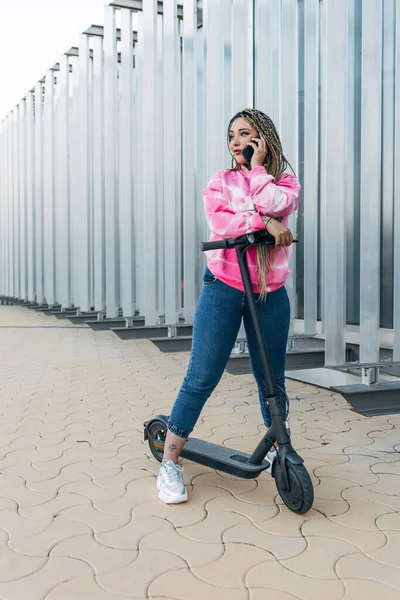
[{"x": 275, "y": 164}]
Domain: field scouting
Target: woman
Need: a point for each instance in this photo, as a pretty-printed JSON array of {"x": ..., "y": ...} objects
[{"x": 237, "y": 201}]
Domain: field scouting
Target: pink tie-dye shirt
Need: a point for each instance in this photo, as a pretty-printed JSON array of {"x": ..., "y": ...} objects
[{"x": 234, "y": 202}]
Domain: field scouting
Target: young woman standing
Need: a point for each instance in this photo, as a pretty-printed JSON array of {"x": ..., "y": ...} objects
[{"x": 248, "y": 197}]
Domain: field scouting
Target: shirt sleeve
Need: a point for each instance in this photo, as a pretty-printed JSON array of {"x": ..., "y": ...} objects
[
  {"x": 274, "y": 199},
  {"x": 222, "y": 220}
]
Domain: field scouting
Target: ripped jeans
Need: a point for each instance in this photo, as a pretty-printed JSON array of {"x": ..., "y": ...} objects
[{"x": 217, "y": 321}]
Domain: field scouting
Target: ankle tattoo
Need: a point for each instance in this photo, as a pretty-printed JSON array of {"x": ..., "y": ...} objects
[{"x": 172, "y": 447}]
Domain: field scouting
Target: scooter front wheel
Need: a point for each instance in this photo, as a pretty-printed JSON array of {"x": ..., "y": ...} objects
[{"x": 299, "y": 497}]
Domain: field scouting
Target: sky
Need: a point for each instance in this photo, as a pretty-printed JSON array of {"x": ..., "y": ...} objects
[{"x": 33, "y": 35}]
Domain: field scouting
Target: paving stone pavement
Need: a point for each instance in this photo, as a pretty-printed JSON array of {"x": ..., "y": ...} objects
[{"x": 79, "y": 513}]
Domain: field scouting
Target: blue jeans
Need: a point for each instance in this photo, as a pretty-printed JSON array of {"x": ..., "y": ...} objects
[{"x": 217, "y": 321}]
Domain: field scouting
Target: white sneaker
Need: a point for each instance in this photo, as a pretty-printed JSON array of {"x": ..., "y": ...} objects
[
  {"x": 170, "y": 483},
  {"x": 271, "y": 456}
]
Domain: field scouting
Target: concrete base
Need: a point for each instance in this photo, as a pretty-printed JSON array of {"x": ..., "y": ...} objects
[{"x": 382, "y": 398}]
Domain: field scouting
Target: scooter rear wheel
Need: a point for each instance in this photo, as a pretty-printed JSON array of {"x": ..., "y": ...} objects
[
  {"x": 299, "y": 497},
  {"x": 157, "y": 432}
]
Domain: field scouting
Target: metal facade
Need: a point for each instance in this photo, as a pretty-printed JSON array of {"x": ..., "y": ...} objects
[{"x": 102, "y": 164}]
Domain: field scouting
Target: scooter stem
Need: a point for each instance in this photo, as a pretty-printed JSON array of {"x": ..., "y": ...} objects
[{"x": 265, "y": 361}]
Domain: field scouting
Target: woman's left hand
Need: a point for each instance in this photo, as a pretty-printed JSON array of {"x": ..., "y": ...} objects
[
  {"x": 260, "y": 152},
  {"x": 282, "y": 234}
]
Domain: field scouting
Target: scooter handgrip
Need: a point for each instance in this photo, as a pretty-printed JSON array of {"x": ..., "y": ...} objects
[{"x": 217, "y": 245}]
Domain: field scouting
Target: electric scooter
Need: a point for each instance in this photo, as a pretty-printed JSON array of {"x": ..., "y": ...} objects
[{"x": 291, "y": 477}]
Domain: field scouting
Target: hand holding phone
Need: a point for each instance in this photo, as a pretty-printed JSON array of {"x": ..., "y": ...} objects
[{"x": 255, "y": 153}]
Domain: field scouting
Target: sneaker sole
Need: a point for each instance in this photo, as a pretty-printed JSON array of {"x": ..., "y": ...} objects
[{"x": 167, "y": 499}]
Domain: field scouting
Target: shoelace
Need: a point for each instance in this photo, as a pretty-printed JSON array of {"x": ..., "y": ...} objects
[{"x": 172, "y": 471}]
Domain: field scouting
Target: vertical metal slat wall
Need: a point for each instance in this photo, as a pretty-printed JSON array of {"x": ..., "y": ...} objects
[{"x": 103, "y": 163}]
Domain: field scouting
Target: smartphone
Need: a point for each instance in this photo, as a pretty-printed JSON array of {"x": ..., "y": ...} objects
[{"x": 248, "y": 152}]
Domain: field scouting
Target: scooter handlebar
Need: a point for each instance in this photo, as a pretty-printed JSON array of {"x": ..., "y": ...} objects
[
  {"x": 258, "y": 237},
  {"x": 218, "y": 244}
]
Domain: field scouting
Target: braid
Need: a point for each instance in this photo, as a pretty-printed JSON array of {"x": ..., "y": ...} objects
[{"x": 275, "y": 164}]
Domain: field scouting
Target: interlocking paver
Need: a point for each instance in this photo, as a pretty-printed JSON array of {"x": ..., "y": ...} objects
[
  {"x": 282, "y": 547},
  {"x": 263, "y": 593},
  {"x": 360, "y": 566},
  {"x": 184, "y": 584},
  {"x": 357, "y": 477},
  {"x": 16, "y": 566},
  {"x": 79, "y": 513},
  {"x": 84, "y": 588},
  {"x": 274, "y": 575},
  {"x": 212, "y": 528},
  {"x": 359, "y": 589},
  {"x": 254, "y": 512},
  {"x": 41, "y": 582},
  {"x": 375, "y": 504},
  {"x": 98, "y": 521},
  {"x": 230, "y": 569},
  {"x": 40, "y": 543},
  {"x": 134, "y": 580},
  {"x": 102, "y": 559},
  {"x": 320, "y": 559},
  {"x": 364, "y": 539},
  {"x": 194, "y": 553},
  {"x": 130, "y": 535},
  {"x": 389, "y": 522},
  {"x": 60, "y": 503},
  {"x": 388, "y": 554}
]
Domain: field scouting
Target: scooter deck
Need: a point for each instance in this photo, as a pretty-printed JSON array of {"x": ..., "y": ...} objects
[{"x": 222, "y": 458}]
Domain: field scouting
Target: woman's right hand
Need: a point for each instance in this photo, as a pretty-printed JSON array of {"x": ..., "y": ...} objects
[{"x": 283, "y": 235}]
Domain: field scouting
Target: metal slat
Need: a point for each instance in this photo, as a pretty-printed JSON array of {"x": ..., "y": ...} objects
[
  {"x": 351, "y": 176},
  {"x": 74, "y": 181},
  {"x": 241, "y": 86},
  {"x": 311, "y": 162},
  {"x": 22, "y": 201},
  {"x": 322, "y": 158},
  {"x": 215, "y": 126},
  {"x": 150, "y": 148},
  {"x": 396, "y": 229},
  {"x": 30, "y": 196},
  {"x": 171, "y": 106},
  {"x": 110, "y": 160},
  {"x": 289, "y": 122},
  {"x": 264, "y": 55},
  {"x": 48, "y": 190},
  {"x": 190, "y": 124},
  {"x": 335, "y": 85},
  {"x": 161, "y": 249},
  {"x": 200, "y": 164},
  {"x": 370, "y": 179},
  {"x": 126, "y": 189},
  {"x": 388, "y": 135},
  {"x": 63, "y": 217},
  {"x": 39, "y": 191},
  {"x": 15, "y": 205},
  {"x": 82, "y": 223},
  {"x": 98, "y": 175},
  {"x": 3, "y": 206},
  {"x": 10, "y": 230},
  {"x": 11, "y": 272},
  {"x": 139, "y": 208}
]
